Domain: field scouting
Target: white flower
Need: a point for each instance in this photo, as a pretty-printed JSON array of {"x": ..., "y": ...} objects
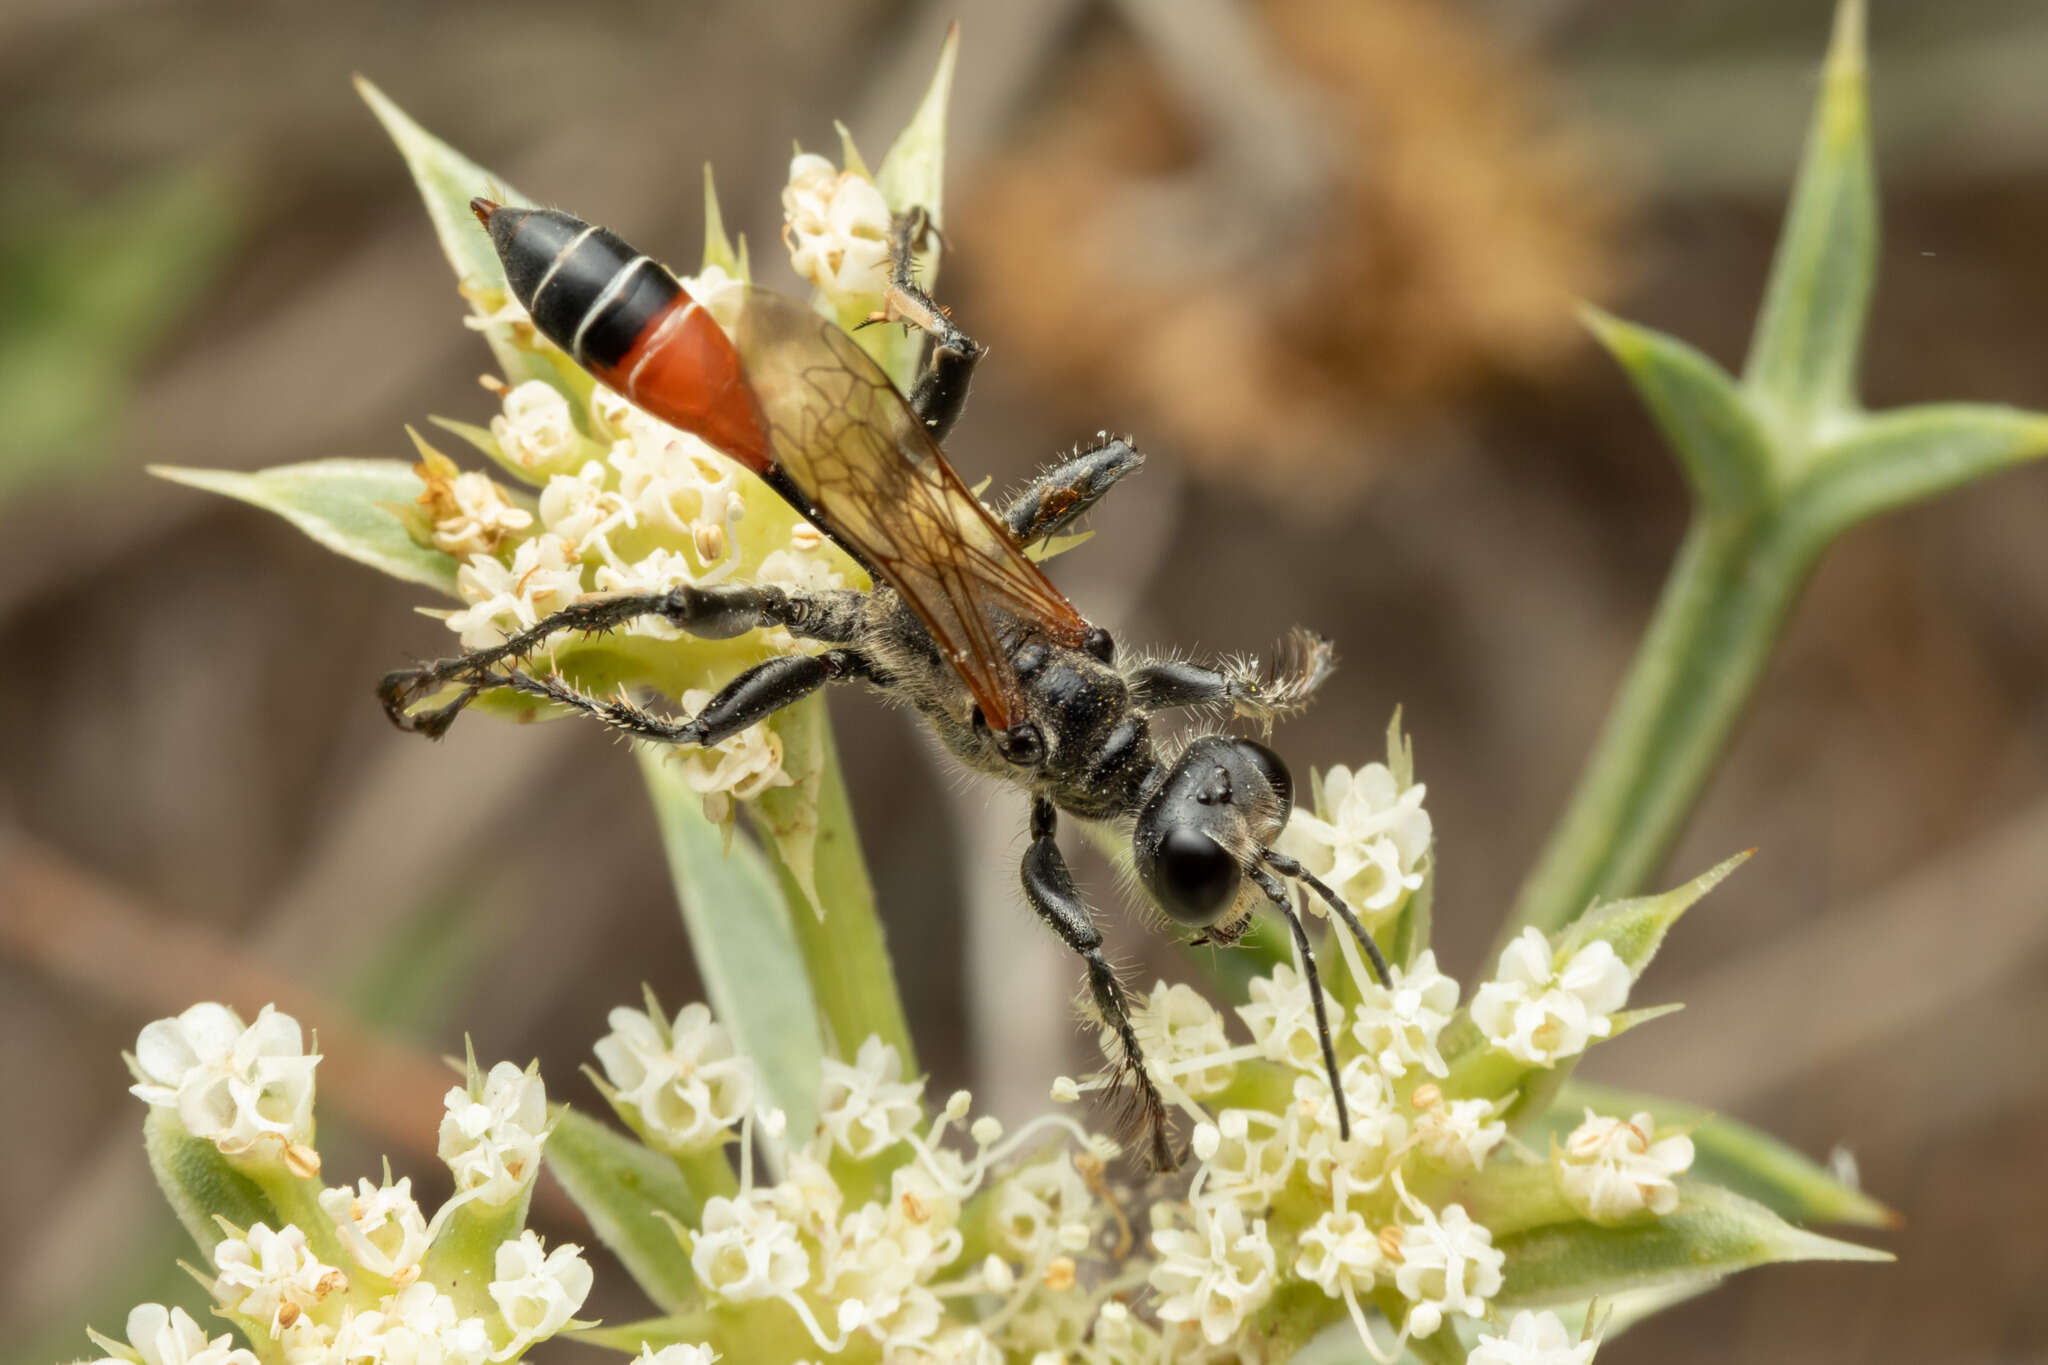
[
  {"x": 1340, "y": 1251},
  {"x": 491, "y": 1138},
  {"x": 472, "y": 514},
  {"x": 1216, "y": 1273},
  {"x": 1610, "y": 1169},
  {"x": 1246, "y": 1163},
  {"x": 537, "y": 1291},
  {"x": 381, "y": 1227},
  {"x": 416, "y": 1326},
  {"x": 744, "y": 1249},
  {"x": 1366, "y": 837},
  {"x": 836, "y": 225},
  {"x": 1448, "y": 1264},
  {"x": 543, "y": 577},
  {"x": 537, "y": 431},
  {"x": 872, "y": 1269},
  {"x": 1121, "y": 1338},
  {"x": 737, "y": 768},
  {"x": 1178, "y": 1028},
  {"x": 230, "y": 1085},
  {"x": 1029, "y": 1209},
  {"x": 952, "y": 1346},
  {"x": 1539, "y": 1013},
  {"x": 168, "y": 1336},
  {"x": 683, "y": 1079},
  {"x": 1532, "y": 1339},
  {"x": 677, "y": 1354},
  {"x": 1399, "y": 1026},
  {"x": 1377, "y": 1128},
  {"x": 1283, "y": 1021},
  {"x": 867, "y": 1107},
  {"x": 583, "y": 511},
  {"x": 1459, "y": 1134},
  {"x": 272, "y": 1278}
]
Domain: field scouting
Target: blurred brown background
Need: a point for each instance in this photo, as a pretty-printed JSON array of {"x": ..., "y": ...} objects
[{"x": 1319, "y": 256}]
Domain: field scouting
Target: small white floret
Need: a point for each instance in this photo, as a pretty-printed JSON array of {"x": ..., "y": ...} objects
[
  {"x": 537, "y": 1291},
  {"x": 1539, "y": 1011},
  {"x": 1532, "y": 1339},
  {"x": 1612, "y": 1168},
  {"x": 491, "y": 1138}
]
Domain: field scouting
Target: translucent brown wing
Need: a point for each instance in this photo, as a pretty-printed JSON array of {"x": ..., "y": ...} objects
[{"x": 845, "y": 439}]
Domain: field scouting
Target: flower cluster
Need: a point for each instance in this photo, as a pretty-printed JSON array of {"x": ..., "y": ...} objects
[
  {"x": 926, "y": 1236},
  {"x": 340, "y": 1275}
]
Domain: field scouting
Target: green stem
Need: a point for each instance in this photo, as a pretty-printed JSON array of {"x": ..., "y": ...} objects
[
  {"x": 1723, "y": 608},
  {"x": 844, "y": 947}
]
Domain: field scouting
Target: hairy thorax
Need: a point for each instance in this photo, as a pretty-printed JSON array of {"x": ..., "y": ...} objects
[{"x": 1098, "y": 745}]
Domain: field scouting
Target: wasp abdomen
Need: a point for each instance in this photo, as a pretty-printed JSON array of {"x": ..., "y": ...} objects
[{"x": 623, "y": 317}]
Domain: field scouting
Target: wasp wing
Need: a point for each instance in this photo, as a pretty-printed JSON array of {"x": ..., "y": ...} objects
[{"x": 866, "y": 471}]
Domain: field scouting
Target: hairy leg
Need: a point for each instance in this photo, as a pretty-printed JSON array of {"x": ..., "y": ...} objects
[
  {"x": 1303, "y": 663},
  {"x": 1049, "y": 886},
  {"x": 939, "y": 393},
  {"x": 1064, "y": 492},
  {"x": 713, "y": 613}
]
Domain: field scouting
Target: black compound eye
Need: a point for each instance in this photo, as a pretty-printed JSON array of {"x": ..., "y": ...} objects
[
  {"x": 1022, "y": 744},
  {"x": 1274, "y": 769},
  {"x": 1194, "y": 877}
]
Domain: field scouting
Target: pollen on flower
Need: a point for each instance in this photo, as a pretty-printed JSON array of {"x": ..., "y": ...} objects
[
  {"x": 380, "y": 1226},
  {"x": 836, "y": 225},
  {"x": 1540, "y": 1012},
  {"x": 543, "y": 577},
  {"x": 1612, "y": 1168},
  {"x": 468, "y": 512},
  {"x": 272, "y": 1278}
]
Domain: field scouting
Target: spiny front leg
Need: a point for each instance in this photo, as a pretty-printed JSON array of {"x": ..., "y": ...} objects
[
  {"x": 1063, "y": 493},
  {"x": 713, "y": 613},
  {"x": 753, "y": 696},
  {"x": 939, "y": 394},
  {"x": 1049, "y": 886}
]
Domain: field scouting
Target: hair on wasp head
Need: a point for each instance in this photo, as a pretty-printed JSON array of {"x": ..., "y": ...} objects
[{"x": 960, "y": 625}]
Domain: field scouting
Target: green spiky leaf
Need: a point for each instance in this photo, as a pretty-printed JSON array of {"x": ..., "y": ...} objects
[
  {"x": 741, "y": 937},
  {"x": 201, "y": 1185},
  {"x": 1897, "y": 458},
  {"x": 624, "y": 1189},
  {"x": 340, "y": 504},
  {"x": 1802, "y": 360},
  {"x": 1712, "y": 1233},
  {"x": 1698, "y": 407}
]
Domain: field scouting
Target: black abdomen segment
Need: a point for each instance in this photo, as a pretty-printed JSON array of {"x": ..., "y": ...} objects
[{"x": 588, "y": 292}]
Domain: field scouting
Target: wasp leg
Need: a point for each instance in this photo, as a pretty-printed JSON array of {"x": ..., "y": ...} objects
[
  {"x": 1305, "y": 662},
  {"x": 713, "y": 613},
  {"x": 1277, "y": 893},
  {"x": 753, "y": 696},
  {"x": 1049, "y": 886},
  {"x": 939, "y": 393},
  {"x": 1063, "y": 493}
]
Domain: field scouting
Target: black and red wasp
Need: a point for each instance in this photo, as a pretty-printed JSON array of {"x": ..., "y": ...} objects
[{"x": 959, "y": 624}]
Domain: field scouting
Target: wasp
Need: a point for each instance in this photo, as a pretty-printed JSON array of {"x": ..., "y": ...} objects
[{"x": 960, "y": 624}]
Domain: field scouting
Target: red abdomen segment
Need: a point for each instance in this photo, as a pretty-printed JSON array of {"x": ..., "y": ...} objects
[
  {"x": 630, "y": 323},
  {"x": 682, "y": 369}
]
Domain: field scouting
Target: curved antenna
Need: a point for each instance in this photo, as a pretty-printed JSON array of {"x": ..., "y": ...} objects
[
  {"x": 1277, "y": 893},
  {"x": 1291, "y": 867}
]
